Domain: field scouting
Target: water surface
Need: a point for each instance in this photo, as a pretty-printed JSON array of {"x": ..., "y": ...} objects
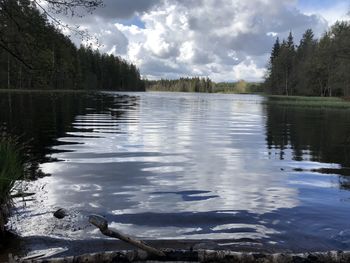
[{"x": 228, "y": 168}]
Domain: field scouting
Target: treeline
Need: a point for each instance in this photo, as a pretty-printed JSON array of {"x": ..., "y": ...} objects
[
  {"x": 316, "y": 67},
  {"x": 181, "y": 85},
  {"x": 240, "y": 87},
  {"x": 36, "y": 55},
  {"x": 203, "y": 85}
]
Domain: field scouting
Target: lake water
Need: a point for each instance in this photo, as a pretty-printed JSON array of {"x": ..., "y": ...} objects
[{"x": 228, "y": 168}]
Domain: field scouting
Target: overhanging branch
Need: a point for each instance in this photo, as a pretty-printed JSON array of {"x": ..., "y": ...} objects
[{"x": 2, "y": 45}]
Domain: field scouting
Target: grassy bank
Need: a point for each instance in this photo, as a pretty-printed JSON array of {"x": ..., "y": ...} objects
[
  {"x": 11, "y": 170},
  {"x": 302, "y": 101}
]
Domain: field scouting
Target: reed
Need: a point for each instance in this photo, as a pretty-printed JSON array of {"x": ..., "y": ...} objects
[{"x": 11, "y": 170}]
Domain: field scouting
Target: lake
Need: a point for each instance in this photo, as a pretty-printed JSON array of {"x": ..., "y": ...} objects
[{"x": 230, "y": 169}]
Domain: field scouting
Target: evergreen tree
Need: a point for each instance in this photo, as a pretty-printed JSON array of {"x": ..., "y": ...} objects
[
  {"x": 36, "y": 55},
  {"x": 195, "y": 84},
  {"x": 304, "y": 64},
  {"x": 316, "y": 67},
  {"x": 272, "y": 80}
]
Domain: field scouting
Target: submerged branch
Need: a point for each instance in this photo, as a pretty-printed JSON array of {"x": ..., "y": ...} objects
[{"x": 102, "y": 224}]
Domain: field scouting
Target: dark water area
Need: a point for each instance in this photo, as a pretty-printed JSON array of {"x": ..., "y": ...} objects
[{"x": 228, "y": 169}]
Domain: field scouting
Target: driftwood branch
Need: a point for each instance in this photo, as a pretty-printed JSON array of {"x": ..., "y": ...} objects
[
  {"x": 148, "y": 253},
  {"x": 102, "y": 224},
  {"x": 204, "y": 256}
]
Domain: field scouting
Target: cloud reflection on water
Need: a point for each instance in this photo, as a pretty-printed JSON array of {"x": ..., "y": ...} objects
[
  {"x": 212, "y": 146},
  {"x": 162, "y": 165}
]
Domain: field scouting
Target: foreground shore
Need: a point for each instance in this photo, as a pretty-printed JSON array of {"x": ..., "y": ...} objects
[{"x": 196, "y": 256}]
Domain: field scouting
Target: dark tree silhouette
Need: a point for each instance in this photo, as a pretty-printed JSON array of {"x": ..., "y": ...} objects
[
  {"x": 34, "y": 54},
  {"x": 315, "y": 67}
]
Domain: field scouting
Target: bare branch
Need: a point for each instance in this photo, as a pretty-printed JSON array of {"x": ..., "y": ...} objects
[
  {"x": 102, "y": 224},
  {"x": 3, "y": 45},
  {"x": 51, "y": 7},
  {"x": 69, "y": 7}
]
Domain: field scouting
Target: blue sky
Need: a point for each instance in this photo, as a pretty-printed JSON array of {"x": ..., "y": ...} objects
[
  {"x": 319, "y": 4},
  {"x": 135, "y": 20},
  {"x": 330, "y": 10}
]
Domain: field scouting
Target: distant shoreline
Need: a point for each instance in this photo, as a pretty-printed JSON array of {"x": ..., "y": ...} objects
[{"x": 283, "y": 100}]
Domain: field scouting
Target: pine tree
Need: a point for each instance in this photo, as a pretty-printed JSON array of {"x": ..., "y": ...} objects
[
  {"x": 272, "y": 80},
  {"x": 36, "y": 55},
  {"x": 303, "y": 65}
]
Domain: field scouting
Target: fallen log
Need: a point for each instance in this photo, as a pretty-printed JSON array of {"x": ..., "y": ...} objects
[
  {"x": 204, "y": 256},
  {"x": 148, "y": 253},
  {"x": 102, "y": 224}
]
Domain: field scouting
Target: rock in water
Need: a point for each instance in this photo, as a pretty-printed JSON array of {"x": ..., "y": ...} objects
[{"x": 60, "y": 213}]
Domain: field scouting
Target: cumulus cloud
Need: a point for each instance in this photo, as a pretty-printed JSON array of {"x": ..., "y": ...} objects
[{"x": 226, "y": 40}]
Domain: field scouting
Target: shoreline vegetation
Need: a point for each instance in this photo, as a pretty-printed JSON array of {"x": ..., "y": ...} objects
[
  {"x": 204, "y": 85},
  {"x": 12, "y": 169},
  {"x": 283, "y": 100},
  {"x": 315, "y": 67},
  {"x": 309, "y": 101}
]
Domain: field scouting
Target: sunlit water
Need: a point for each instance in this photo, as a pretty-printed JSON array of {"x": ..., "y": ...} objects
[{"x": 188, "y": 166}]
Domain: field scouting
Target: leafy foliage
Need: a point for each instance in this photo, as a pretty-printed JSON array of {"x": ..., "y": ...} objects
[{"x": 11, "y": 170}]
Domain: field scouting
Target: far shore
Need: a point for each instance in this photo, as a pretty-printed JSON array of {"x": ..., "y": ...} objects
[{"x": 302, "y": 101}]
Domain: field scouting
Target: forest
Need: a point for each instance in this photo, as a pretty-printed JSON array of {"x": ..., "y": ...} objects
[
  {"x": 240, "y": 87},
  {"x": 315, "y": 67},
  {"x": 34, "y": 54},
  {"x": 197, "y": 84}
]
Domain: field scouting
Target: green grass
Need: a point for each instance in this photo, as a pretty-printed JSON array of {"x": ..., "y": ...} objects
[
  {"x": 303, "y": 101},
  {"x": 11, "y": 170}
]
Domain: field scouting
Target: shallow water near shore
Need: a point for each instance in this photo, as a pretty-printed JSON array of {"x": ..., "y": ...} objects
[{"x": 229, "y": 169}]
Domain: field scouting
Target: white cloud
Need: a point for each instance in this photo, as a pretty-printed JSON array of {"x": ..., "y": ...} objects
[
  {"x": 247, "y": 69},
  {"x": 339, "y": 10},
  {"x": 226, "y": 40}
]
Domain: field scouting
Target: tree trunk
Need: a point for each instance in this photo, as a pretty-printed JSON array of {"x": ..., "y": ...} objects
[
  {"x": 321, "y": 87},
  {"x": 20, "y": 76},
  {"x": 286, "y": 84},
  {"x": 8, "y": 71}
]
